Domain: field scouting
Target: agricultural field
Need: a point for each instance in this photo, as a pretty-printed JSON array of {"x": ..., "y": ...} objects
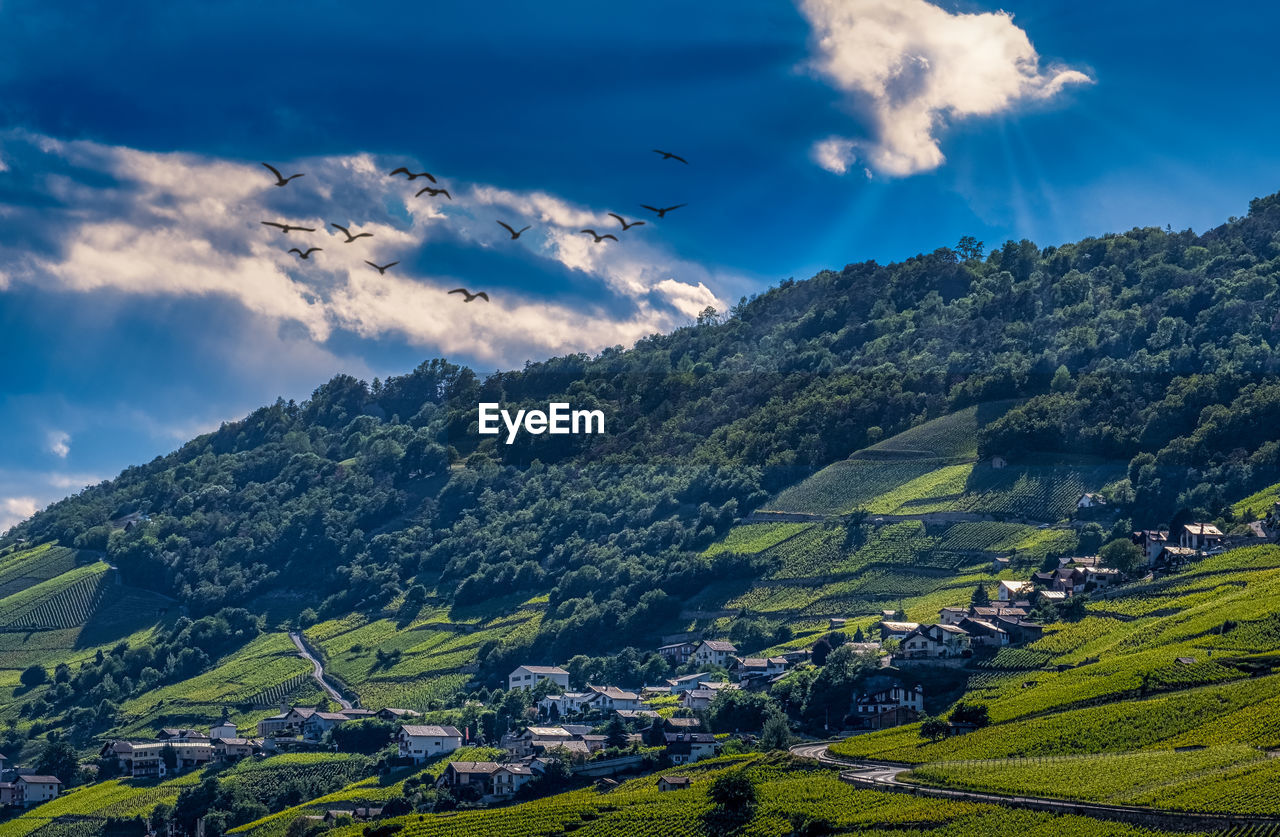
[
  {"x": 1259, "y": 504},
  {"x": 83, "y": 810},
  {"x": 951, "y": 436},
  {"x": 784, "y": 789},
  {"x": 851, "y": 484},
  {"x": 64, "y": 601},
  {"x": 754, "y": 538},
  {"x": 25, "y": 568},
  {"x": 1232, "y": 779}
]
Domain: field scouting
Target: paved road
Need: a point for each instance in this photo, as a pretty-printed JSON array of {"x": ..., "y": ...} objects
[
  {"x": 885, "y": 775},
  {"x": 317, "y": 671}
]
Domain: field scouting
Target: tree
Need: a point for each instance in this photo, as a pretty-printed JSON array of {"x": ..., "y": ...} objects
[
  {"x": 1061, "y": 380},
  {"x": 33, "y": 676},
  {"x": 933, "y": 728},
  {"x": 733, "y": 790},
  {"x": 169, "y": 756},
  {"x": 971, "y": 713},
  {"x": 615, "y": 733},
  {"x": 980, "y": 597},
  {"x": 1121, "y": 554},
  {"x": 58, "y": 758},
  {"x": 969, "y": 248},
  {"x": 736, "y": 710},
  {"x": 776, "y": 734}
]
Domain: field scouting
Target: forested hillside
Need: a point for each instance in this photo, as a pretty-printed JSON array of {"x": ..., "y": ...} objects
[{"x": 1153, "y": 346}]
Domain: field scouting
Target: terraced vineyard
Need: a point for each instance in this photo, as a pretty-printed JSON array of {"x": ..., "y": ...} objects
[
  {"x": 25, "y": 568},
  {"x": 850, "y": 485},
  {"x": 65, "y": 601},
  {"x": 1235, "y": 779}
]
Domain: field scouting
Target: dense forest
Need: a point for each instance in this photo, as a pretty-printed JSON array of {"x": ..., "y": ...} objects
[{"x": 1155, "y": 347}]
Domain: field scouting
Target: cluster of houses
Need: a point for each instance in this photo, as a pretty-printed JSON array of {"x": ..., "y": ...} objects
[
  {"x": 528, "y": 753},
  {"x": 22, "y": 787}
]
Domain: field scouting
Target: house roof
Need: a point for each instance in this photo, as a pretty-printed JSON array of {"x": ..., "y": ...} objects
[
  {"x": 1203, "y": 529},
  {"x": 423, "y": 730},
  {"x": 682, "y": 722},
  {"x": 614, "y": 693},
  {"x": 900, "y": 627},
  {"x": 675, "y": 646},
  {"x": 951, "y": 629},
  {"x": 636, "y": 713},
  {"x": 571, "y": 746},
  {"x": 695, "y": 694},
  {"x": 687, "y": 678},
  {"x": 391, "y": 710},
  {"x": 719, "y": 645},
  {"x": 576, "y": 729},
  {"x": 40, "y": 780},
  {"x": 695, "y": 737},
  {"x": 515, "y": 769},
  {"x": 1015, "y": 586},
  {"x": 543, "y": 670},
  {"x": 486, "y": 767},
  {"x": 549, "y": 732},
  {"x": 1053, "y": 595},
  {"x": 676, "y": 780},
  {"x": 330, "y": 716}
]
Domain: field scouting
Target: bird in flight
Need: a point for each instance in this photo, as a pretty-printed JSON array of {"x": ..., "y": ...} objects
[
  {"x": 285, "y": 228},
  {"x": 514, "y": 233},
  {"x": 667, "y": 155},
  {"x": 662, "y": 213},
  {"x": 350, "y": 237},
  {"x": 280, "y": 178},
  {"x": 434, "y": 192},
  {"x": 412, "y": 175},
  {"x": 307, "y": 253},
  {"x": 599, "y": 237},
  {"x": 623, "y": 222},
  {"x": 381, "y": 268},
  {"x": 470, "y": 296}
]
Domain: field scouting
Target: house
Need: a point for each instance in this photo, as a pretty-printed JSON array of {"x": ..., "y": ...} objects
[
  {"x": 509, "y": 778},
  {"x": 677, "y": 653},
  {"x": 421, "y": 742},
  {"x": 685, "y": 682},
  {"x": 1151, "y": 542},
  {"x": 835, "y": 623},
  {"x": 894, "y": 696},
  {"x": 897, "y": 630},
  {"x": 984, "y": 634},
  {"x": 952, "y": 615},
  {"x": 999, "y": 564},
  {"x": 1176, "y": 556},
  {"x": 232, "y": 748},
  {"x": 146, "y": 759},
  {"x": 1051, "y": 596},
  {"x": 797, "y": 656},
  {"x": 670, "y": 783},
  {"x": 460, "y": 774},
  {"x": 526, "y": 677},
  {"x": 1069, "y": 580},
  {"x": 1044, "y": 578},
  {"x": 1089, "y": 501},
  {"x": 536, "y": 739},
  {"x": 174, "y": 734},
  {"x": 223, "y": 729},
  {"x": 321, "y": 722},
  {"x": 37, "y": 789},
  {"x": 395, "y": 716},
  {"x": 569, "y": 703},
  {"x": 990, "y": 613},
  {"x": 1011, "y": 591},
  {"x": 1019, "y": 630},
  {"x": 609, "y": 698},
  {"x": 718, "y": 685},
  {"x": 935, "y": 641},
  {"x": 1097, "y": 578},
  {"x": 9, "y": 794},
  {"x": 749, "y": 666},
  {"x": 713, "y": 652},
  {"x": 682, "y": 724},
  {"x": 1200, "y": 536},
  {"x": 696, "y": 699},
  {"x": 688, "y": 747},
  {"x": 636, "y": 714},
  {"x": 273, "y": 724}
]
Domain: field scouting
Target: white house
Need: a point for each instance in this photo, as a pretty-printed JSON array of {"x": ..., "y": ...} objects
[
  {"x": 1200, "y": 536},
  {"x": 714, "y": 652},
  {"x": 895, "y": 697},
  {"x": 423, "y": 741},
  {"x": 569, "y": 703},
  {"x": 897, "y": 630},
  {"x": 685, "y": 682},
  {"x": 37, "y": 789},
  {"x": 697, "y": 698},
  {"x": 526, "y": 677},
  {"x": 1089, "y": 501},
  {"x": 1012, "y": 591},
  {"x": 223, "y": 729},
  {"x": 688, "y": 747},
  {"x": 935, "y": 641},
  {"x": 509, "y": 778},
  {"x": 609, "y": 698}
]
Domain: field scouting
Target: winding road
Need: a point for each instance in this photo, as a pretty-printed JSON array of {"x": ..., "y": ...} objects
[
  {"x": 884, "y": 776},
  {"x": 317, "y": 671}
]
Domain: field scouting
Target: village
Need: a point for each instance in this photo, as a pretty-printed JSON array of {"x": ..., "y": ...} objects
[{"x": 600, "y": 731}]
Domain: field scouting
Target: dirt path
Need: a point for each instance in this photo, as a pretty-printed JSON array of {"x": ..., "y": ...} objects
[
  {"x": 317, "y": 671},
  {"x": 884, "y": 776}
]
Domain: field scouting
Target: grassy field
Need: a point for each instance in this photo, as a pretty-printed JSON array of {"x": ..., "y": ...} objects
[
  {"x": 637, "y": 808},
  {"x": 1228, "y": 779}
]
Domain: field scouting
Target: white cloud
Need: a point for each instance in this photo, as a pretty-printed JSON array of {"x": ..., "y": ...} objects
[
  {"x": 909, "y": 66},
  {"x": 14, "y": 510},
  {"x": 59, "y": 443},
  {"x": 691, "y": 299},
  {"x": 181, "y": 225}
]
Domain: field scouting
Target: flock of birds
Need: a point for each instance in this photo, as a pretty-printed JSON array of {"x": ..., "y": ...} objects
[{"x": 433, "y": 191}]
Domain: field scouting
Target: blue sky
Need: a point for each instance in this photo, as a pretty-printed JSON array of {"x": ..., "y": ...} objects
[{"x": 141, "y": 302}]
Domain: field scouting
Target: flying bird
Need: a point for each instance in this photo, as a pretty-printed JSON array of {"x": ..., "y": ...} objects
[
  {"x": 623, "y": 222},
  {"x": 412, "y": 175},
  {"x": 662, "y": 213},
  {"x": 280, "y": 178},
  {"x": 285, "y": 228},
  {"x": 599, "y": 237},
  {"x": 470, "y": 296},
  {"x": 667, "y": 155},
  {"x": 514, "y": 233},
  {"x": 434, "y": 192},
  {"x": 307, "y": 254},
  {"x": 350, "y": 237},
  {"x": 381, "y": 268}
]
